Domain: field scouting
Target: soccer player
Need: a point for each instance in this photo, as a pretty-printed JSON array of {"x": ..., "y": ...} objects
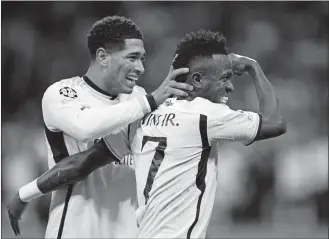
[
  {"x": 176, "y": 179},
  {"x": 80, "y": 110}
]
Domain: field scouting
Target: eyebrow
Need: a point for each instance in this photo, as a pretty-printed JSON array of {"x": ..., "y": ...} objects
[{"x": 137, "y": 54}]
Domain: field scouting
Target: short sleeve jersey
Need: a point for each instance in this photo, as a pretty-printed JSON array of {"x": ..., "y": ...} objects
[{"x": 176, "y": 178}]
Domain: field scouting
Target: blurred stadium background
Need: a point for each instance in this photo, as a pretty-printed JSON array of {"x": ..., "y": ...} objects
[{"x": 272, "y": 189}]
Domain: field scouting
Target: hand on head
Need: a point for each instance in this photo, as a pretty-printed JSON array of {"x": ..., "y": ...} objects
[{"x": 170, "y": 87}]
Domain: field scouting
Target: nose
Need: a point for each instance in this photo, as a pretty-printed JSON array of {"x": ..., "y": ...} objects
[
  {"x": 139, "y": 67},
  {"x": 229, "y": 87}
]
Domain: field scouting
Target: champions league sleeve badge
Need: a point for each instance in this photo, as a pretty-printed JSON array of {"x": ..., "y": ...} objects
[{"x": 68, "y": 92}]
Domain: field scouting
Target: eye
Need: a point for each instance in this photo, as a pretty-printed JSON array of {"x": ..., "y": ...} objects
[
  {"x": 226, "y": 77},
  {"x": 132, "y": 58}
]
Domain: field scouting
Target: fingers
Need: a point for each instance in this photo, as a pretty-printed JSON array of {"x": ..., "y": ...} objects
[
  {"x": 171, "y": 69},
  {"x": 14, "y": 224},
  {"x": 181, "y": 86},
  {"x": 179, "y": 89},
  {"x": 17, "y": 227},
  {"x": 179, "y": 71},
  {"x": 177, "y": 92},
  {"x": 174, "y": 58}
]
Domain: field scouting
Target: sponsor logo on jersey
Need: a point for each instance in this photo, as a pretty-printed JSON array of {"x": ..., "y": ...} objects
[
  {"x": 127, "y": 160},
  {"x": 68, "y": 92}
]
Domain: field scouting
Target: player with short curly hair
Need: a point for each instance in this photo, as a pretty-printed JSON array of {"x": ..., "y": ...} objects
[
  {"x": 112, "y": 32},
  {"x": 176, "y": 173},
  {"x": 77, "y": 113},
  {"x": 201, "y": 43}
]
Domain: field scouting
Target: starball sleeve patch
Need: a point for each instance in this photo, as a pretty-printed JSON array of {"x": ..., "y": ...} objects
[{"x": 68, "y": 92}]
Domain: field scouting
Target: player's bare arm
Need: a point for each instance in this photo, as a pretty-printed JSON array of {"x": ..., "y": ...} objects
[
  {"x": 75, "y": 167},
  {"x": 272, "y": 122},
  {"x": 68, "y": 171}
]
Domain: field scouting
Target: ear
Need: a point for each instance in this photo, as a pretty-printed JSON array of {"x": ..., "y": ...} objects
[
  {"x": 197, "y": 80},
  {"x": 102, "y": 56}
]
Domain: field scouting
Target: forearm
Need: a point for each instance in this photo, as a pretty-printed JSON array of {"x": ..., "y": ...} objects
[
  {"x": 95, "y": 122},
  {"x": 268, "y": 101},
  {"x": 62, "y": 174},
  {"x": 70, "y": 170}
]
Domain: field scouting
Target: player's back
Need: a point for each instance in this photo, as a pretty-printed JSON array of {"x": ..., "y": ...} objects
[
  {"x": 103, "y": 204},
  {"x": 176, "y": 180}
]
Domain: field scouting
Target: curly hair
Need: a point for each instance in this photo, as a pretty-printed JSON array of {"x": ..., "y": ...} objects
[
  {"x": 111, "y": 32},
  {"x": 201, "y": 43}
]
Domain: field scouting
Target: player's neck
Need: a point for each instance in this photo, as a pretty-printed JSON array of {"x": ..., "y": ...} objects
[
  {"x": 97, "y": 79},
  {"x": 188, "y": 98}
]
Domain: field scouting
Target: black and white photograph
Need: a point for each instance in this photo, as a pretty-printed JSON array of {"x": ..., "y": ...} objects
[{"x": 164, "y": 119}]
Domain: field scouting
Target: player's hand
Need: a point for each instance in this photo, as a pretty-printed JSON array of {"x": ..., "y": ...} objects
[
  {"x": 15, "y": 210},
  {"x": 241, "y": 64},
  {"x": 170, "y": 87}
]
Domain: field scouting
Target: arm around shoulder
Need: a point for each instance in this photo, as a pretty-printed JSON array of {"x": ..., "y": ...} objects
[{"x": 83, "y": 122}]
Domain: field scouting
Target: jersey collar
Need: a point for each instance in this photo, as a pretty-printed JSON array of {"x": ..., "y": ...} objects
[{"x": 96, "y": 88}]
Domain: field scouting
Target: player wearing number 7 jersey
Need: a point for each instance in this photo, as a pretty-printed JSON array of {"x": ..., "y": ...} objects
[{"x": 176, "y": 178}]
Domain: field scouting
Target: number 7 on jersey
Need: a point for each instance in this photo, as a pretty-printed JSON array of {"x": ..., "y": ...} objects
[{"x": 156, "y": 161}]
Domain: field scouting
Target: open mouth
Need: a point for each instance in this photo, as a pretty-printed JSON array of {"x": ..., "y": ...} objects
[
  {"x": 132, "y": 78},
  {"x": 223, "y": 99}
]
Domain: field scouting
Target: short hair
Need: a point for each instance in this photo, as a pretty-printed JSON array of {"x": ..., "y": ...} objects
[
  {"x": 110, "y": 32},
  {"x": 201, "y": 43}
]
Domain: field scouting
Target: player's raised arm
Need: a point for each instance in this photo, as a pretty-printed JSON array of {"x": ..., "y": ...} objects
[
  {"x": 76, "y": 118},
  {"x": 272, "y": 123},
  {"x": 70, "y": 170}
]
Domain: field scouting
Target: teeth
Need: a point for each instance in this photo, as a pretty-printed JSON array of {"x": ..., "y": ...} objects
[
  {"x": 132, "y": 79},
  {"x": 224, "y": 99}
]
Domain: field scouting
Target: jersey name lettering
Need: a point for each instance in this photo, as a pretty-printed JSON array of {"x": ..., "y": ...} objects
[{"x": 160, "y": 120}]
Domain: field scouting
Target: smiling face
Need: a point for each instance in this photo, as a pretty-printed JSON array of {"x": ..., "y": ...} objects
[
  {"x": 210, "y": 77},
  {"x": 125, "y": 66}
]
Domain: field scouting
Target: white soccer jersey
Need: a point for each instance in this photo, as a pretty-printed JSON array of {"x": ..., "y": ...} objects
[
  {"x": 176, "y": 179},
  {"x": 76, "y": 112}
]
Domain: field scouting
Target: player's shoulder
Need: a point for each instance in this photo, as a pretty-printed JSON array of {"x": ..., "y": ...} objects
[
  {"x": 139, "y": 90},
  {"x": 208, "y": 108},
  {"x": 66, "y": 87},
  {"x": 73, "y": 82}
]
